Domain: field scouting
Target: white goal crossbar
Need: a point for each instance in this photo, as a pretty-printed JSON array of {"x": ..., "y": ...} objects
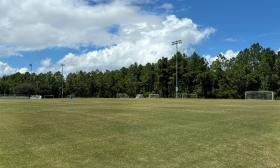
[
  {"x": 259, "y": 95},
  {"x": 122, "y": 95},
  {"x": 35, "y": 97},
  {"x": 139, "y": 96},
  {"x": 154, "y": 96},
  {"x": 188, "y": 95}
]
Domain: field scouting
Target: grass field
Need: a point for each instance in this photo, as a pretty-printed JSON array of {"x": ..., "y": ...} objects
[{"x": 164, "y": 133}]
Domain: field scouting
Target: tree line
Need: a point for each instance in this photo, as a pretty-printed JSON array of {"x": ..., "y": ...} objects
[{"x": 255, "y": 68}]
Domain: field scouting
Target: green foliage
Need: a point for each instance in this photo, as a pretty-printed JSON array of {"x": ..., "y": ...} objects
[{"x": 255, "y": 68}]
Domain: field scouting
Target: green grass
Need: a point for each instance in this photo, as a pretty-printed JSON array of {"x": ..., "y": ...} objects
[{"x": 162, "y": 133}]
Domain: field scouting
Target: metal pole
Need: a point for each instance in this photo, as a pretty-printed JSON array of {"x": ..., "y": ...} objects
[
  {"x": 30, "y": 68},
  {"x": 32, "y": 78},
  {"x": 62, "y": 81},
  {"x": 177, "y": 89},
  {"x": 176, "y": 43}
]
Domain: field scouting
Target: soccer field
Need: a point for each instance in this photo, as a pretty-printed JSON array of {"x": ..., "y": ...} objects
[{"x": 128, "y": 133}]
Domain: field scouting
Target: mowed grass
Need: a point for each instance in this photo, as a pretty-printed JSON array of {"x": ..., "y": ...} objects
[{"x": 123, "y": 133}]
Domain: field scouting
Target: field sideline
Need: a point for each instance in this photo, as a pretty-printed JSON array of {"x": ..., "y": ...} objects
[{"x": 130, "y": 133}]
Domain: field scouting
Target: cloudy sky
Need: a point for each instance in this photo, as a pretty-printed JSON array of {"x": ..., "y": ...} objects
[{"x": 108, "y": 34}]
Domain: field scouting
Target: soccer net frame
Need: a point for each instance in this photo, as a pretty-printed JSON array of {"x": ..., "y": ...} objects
[
  {"x": 154, "y": 96},
  {"x": 35, "y": 97},
  {"x": 139, "y": 96},
  {"x": 48, "y": 96},
  {"x": 122, "y": 95},
  {"x": 188, "y": 95},
  {"x": 259, "y": 95}
]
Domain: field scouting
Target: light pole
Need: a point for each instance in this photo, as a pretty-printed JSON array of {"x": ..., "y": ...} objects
[
  {"x": 30, "y": 68},
  {"x": 176, "y": 43},
  {"x": 62, "y": 81},
  {"x": 31, "y": 75}
]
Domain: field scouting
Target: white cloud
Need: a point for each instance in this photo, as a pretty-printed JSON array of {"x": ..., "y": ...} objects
[
  {"x": 210, "y": 58},
  {"x": 6, "y": 51},
  {"x": 142, "y": 43},
  {"x": 228, "y": 54},
  {"x": 277, "y": 51},
  {"x": 22, "y": 70},
  {"x": 142, "y": 37},
  {"x": 46, "y": 62},
  {"x": 6, "y": 69},
  {"x": 46, "y": 66},
  {"x": 34, "y": 25},
  {"x": 230, "y": 39},
  {"x": 166, "y": 6}
]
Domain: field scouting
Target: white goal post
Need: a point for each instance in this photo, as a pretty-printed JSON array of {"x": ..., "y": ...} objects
[
  {"x": 122, "y": 95},
  {"x": 139, "y": 96},
  {"x": 188, "y": 95},
  {"x": 35, "y": 97},
  {"x": 48, "y": 97},
  {"x": 154, "y": 96},
  {"x": 259, "y": 95}
]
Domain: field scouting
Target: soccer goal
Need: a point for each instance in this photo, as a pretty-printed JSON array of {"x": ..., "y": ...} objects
[
  {"x": 188, "y": 96},
  {"x": 48, "y": 96},
  {"x": 122, "y": 95},
  {"x": 139, "y": 96},
  {"x": 153, "y": 96},
  {"x": 259, "y": 95},
  {"x": 35, "y": 97}
]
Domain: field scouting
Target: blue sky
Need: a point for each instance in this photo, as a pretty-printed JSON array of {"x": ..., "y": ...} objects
[
  {"x": 46, "y": 39},
  {"x": 239, "y": 23}
]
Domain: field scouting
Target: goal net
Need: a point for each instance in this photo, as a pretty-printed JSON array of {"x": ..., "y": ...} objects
[
  {"x": 188, "y": 96},
  {"x": 155, "y": 96},
  {"x": 139, "y": 96},
  {"x": 122, "y": 95},
  {"x": 48, "y": 96},
  {"x": 259, "y": 95},
  {"x": 35, "y": 97}
]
